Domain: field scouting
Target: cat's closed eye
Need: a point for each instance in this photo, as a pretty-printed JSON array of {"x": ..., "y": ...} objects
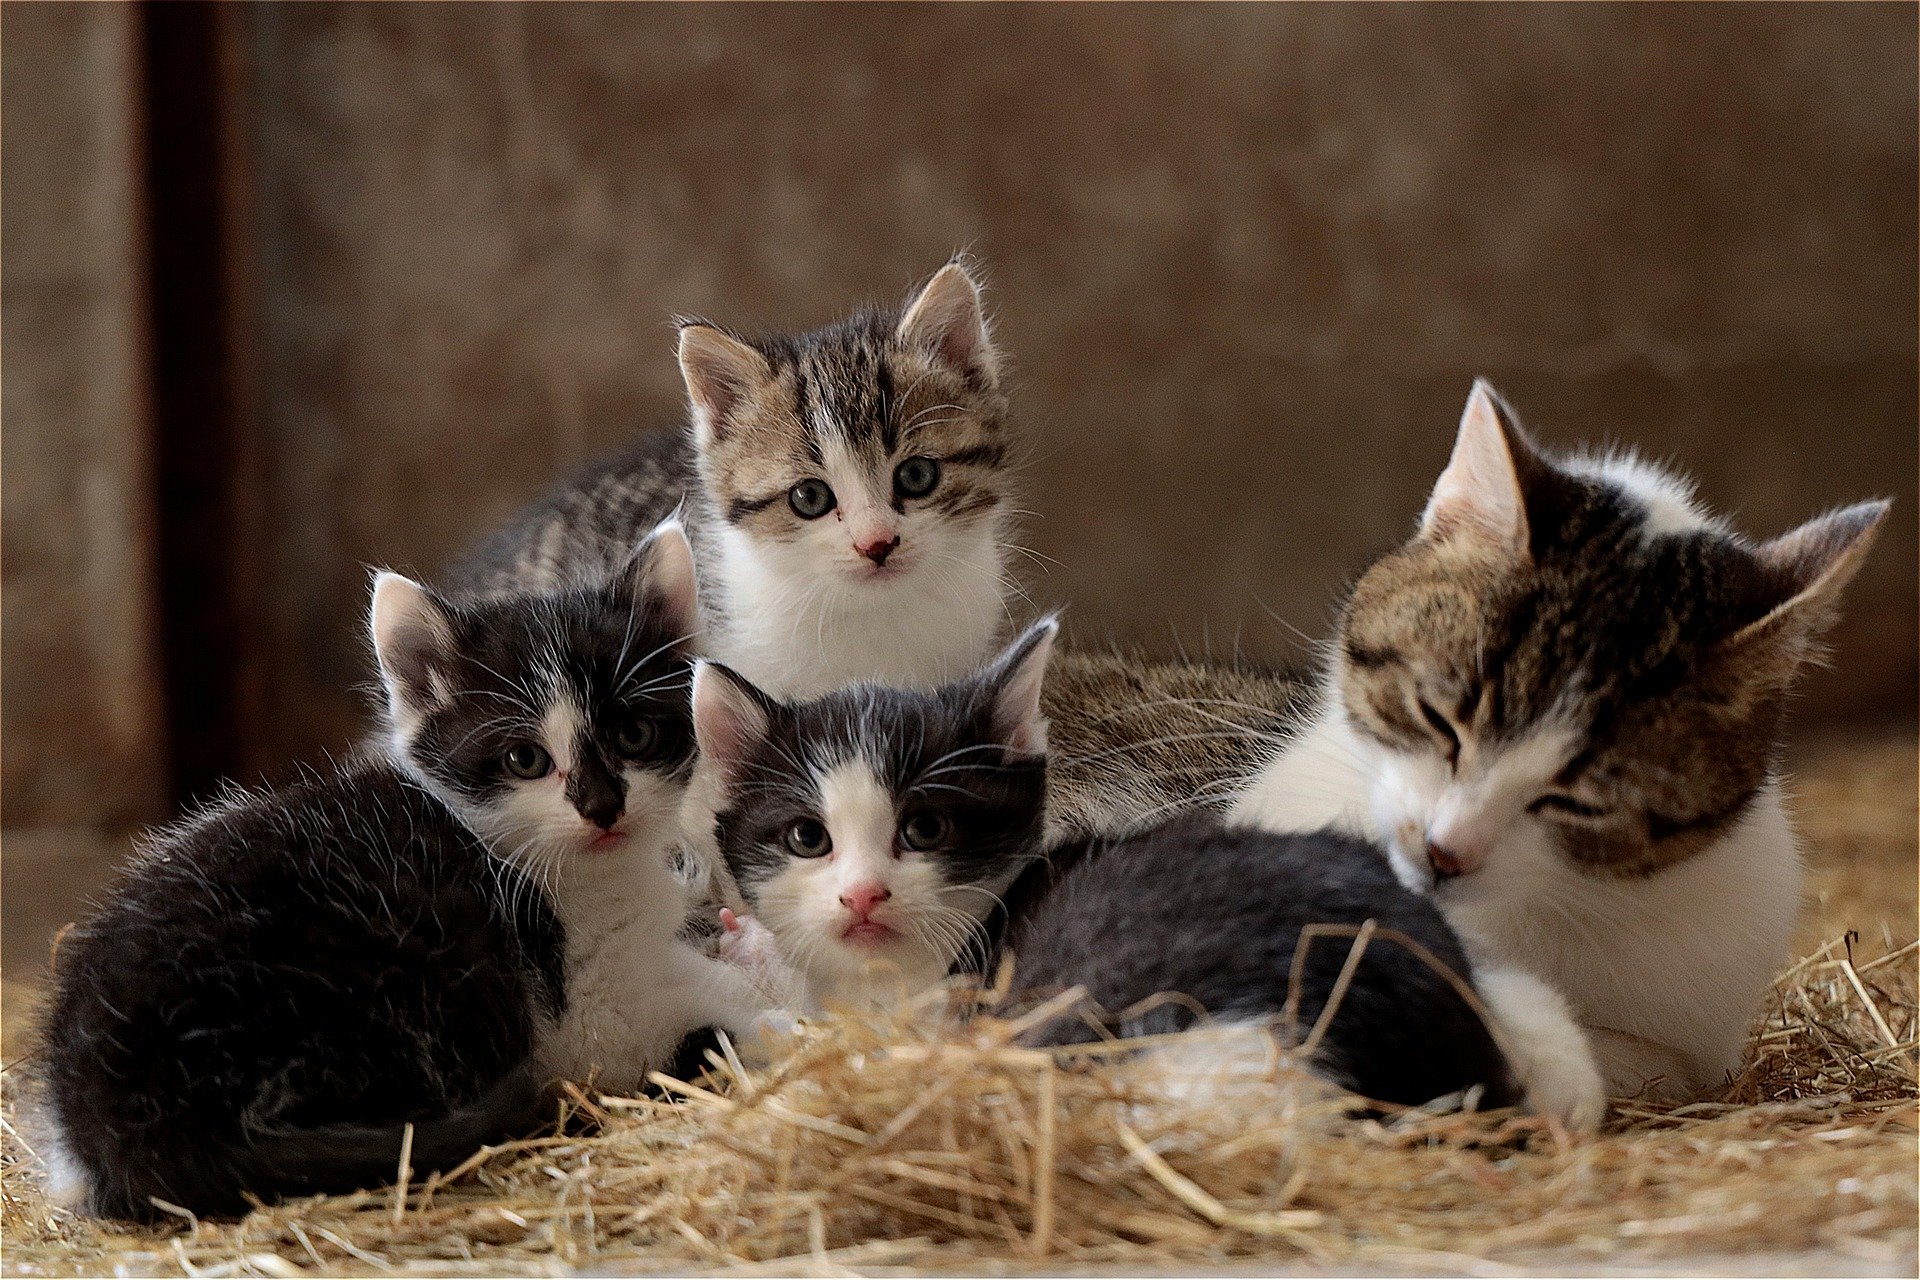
[
  {"x": 811, "y": 499},
  {"x": 1443, "y": 729},
  {"x": 527, "y": 760},
  {"x": 1556, "y": 804}
]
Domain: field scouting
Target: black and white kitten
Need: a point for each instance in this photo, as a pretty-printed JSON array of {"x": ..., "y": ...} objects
[
  {"x": 282, "y": 983},
  {"x": 887, "y": 837},
  {"x": 848, "y": 490},
  {"x": 277, "y": 986},
  {"x": 556, "y": 726},
  {"x": 873, "y": 830}
]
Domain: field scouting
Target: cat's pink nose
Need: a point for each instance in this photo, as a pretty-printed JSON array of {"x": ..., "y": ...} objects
[
  {"x": 877, "y": 547},
  {"x": 863, "y": 898},
  {"x": 1448, "y": 863}
]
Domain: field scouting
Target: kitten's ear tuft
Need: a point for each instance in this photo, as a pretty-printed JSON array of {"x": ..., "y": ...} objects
[
  {"x": 1813, "y": 565},
  {"x": 1014, "y": 681},
  {"x": 947, "y": 321},
  {"x": 730, "y": 717},
  {"x": 412, "y": 640},
  {"x": 721, "y": 373},
  {"x": 663, "y": 573},
  {"x": 1482, "y": 493}
]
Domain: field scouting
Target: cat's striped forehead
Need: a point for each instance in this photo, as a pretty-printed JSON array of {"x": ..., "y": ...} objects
[{"x": 853, "y": 399}]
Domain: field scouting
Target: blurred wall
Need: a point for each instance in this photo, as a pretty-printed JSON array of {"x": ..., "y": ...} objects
[
  {"x": 79, "y": 694},
  {"x": 1246, "y": 260}
]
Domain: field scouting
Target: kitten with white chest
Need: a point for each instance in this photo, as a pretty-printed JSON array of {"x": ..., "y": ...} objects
[
  {"x": 848, "y": 492},
  {"x": 286, "y": 981},
  {"x": 886, "y": 838},
  {"x": 1559, "y": 706},
  {"x": 557, "y": 728}
]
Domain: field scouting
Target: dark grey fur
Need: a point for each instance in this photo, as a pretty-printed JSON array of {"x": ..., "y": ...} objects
[
  {"x": 1216, "y": 914},
  {"x": 281, "y": 983}
]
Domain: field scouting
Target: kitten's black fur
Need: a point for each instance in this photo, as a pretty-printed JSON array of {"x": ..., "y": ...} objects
[
  {"x": 279, "y": 985},
  {"x": 937, "y": 747},
  {"x": 1216, "y": 913}
]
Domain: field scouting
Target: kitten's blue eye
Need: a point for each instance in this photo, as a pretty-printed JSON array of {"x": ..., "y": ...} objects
[
  {"x": 808, "y": 839},
  {"x": 923, "y": 829},
  {"x": 1554, "y": 804},
  {"x": 635, "y": 736},
  {"x": 810, "y": 499},
  {"x": 916, "y": 477},
  {"x": 528, "y": 760}
]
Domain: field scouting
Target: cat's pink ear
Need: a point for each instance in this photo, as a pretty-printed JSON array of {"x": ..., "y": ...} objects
[
  {"x": 663, "y": 572},
  {"x": 1482, "y": 495},
  {"x": 412, "y": 640},
  {"x": 1015, "y": 680},
  {"x": 1813, "y": 565},
  {"x": 946, "y": 321},
  {"x": 721, "y": 374},
  {"x": 730, "y": 717}
]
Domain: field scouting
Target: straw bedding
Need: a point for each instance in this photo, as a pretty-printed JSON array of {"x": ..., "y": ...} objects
[{"x": 905, "y": 1147}]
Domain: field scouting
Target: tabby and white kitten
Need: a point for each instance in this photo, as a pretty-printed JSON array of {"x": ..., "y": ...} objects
[
  {"x": 848, "y": 492},
  {"x": 557, "y": 727},
  {"x": 1559, "y": 706},
  {"x": 886, "y": 838}
]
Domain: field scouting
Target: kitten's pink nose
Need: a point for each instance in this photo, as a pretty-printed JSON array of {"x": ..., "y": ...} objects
[
  {"x": 1448, "y": 863},
  {"x": 863, "y": 898},
  {"x": 877, "y": 546}
]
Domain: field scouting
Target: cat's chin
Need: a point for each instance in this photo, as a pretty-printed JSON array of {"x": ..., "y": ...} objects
[
  {"x": 870, "y": 936},
  {"x": 879, "y": 575}
]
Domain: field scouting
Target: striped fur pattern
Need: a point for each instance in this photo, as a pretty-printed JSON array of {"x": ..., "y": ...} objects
[
  {"x": 849, "y": 492},
  {"x": 1559, "y": 706}
]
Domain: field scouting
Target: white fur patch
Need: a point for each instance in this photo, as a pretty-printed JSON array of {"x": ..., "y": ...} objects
[
  {"x": 1667, "y": 499},
  {"x": 802, "y": 903},
  {"x": 806, "y": 617},
  {"x": 1668, "y": 970}
]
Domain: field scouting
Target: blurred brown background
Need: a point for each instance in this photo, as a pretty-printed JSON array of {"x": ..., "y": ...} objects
[{"x": 292, "y": 289}]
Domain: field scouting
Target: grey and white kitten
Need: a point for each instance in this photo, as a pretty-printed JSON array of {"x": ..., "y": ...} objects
[
  {"x": 848, "y": 492},
  {"x": 556, "y": 726},
  {"x": 887, "y": 837},
  {"x": 1559, "y": 706}
]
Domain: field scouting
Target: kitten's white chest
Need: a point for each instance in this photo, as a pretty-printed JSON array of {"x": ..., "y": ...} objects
[
  {"x": 634, "y": 989},
  {"x": 1666, "y": 971},
  {"x": 801, "y": 638}
]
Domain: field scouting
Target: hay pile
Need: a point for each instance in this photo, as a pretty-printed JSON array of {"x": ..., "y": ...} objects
[{"x": 899, "y": 1147}]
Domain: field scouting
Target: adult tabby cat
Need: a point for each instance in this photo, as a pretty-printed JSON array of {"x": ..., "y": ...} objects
[{"x": 1559, "y": 706}]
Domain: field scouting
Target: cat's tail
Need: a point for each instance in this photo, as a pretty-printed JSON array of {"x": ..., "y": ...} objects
[
  {"x": 350, "y": 1157},
  {"x": 278, "y": 1163}
]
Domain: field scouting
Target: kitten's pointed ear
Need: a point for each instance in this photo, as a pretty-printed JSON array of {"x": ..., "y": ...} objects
[
  {"x": 662, "y": 572},
  {"x": 1482, "y": 493},
  {"x": 412, "y": 640},
  {"x": 1014, "y": 681},
  {"x": 947, "y": 321},
  {"x": 730, "y": 717},
  {"x": 721, "y": 373},
  {"x": 1813, "y": 565}
]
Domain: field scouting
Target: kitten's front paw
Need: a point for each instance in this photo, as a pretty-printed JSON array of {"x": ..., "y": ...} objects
[
  {"x": 1546, "y": 1048},
  {"x": 749, "y": 946},
  {"x": 764, "y": 1036}
]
